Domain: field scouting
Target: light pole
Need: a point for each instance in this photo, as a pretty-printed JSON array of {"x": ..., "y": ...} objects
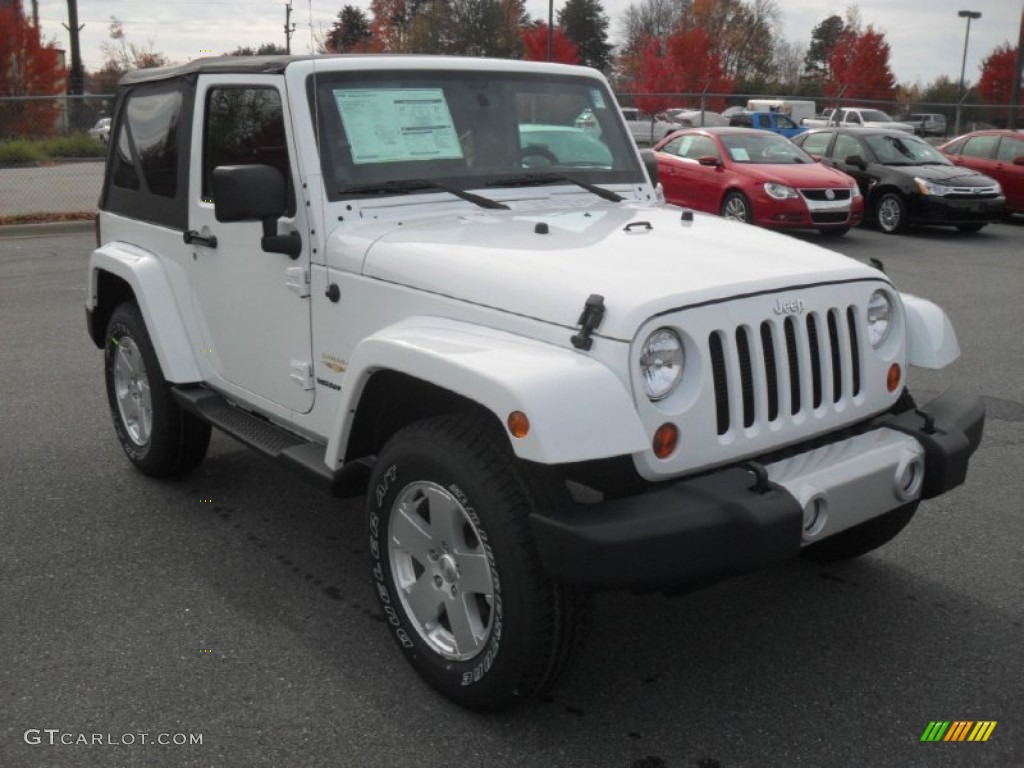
[
  {"x": 551, "y": 29},
  {"x": 960, "y": 93}
]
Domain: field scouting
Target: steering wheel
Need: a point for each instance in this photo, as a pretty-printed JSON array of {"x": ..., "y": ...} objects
[{"x": 535, "y": 156}]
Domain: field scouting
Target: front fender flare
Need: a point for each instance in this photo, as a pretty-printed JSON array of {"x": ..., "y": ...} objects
[
  {"x": 146, "y": 276},
  {"x": 931, "y": 340},
  {"x": 578, "y": 409}
]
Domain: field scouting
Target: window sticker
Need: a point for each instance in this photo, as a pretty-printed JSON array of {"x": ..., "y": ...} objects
[
  {"x": 597, "y": 98},
  {"x": 740, "y": 154},
  {"x": 398, "y": 125}
]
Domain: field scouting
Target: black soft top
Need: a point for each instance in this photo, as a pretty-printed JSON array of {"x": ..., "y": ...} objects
[{"x": 263, "y": 65}]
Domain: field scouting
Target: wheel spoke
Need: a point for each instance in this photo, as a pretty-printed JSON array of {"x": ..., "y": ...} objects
[
  {"x": 464, "y": 626},
  {"x": 408, "y": 532},
  {"x": 424, "y": 601},
  {"x": 446, "y": 519},
  {"x": 474, "y": 573},
  {"x": 126, "y": 359}
]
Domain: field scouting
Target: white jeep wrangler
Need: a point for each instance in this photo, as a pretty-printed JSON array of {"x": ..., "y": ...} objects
[{"x": 414, "y": 278}]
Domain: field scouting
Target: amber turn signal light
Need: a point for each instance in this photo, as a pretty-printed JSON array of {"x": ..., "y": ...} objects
[
  {"x": 666, "y": 437},
  {"x": 518, "y": 424},
  {"x": 892, "y": 379}
]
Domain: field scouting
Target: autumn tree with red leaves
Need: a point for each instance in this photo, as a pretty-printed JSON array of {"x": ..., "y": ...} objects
[
  {"x": 535, "y": 45},
  {"x": 996, "y": 81},
  {"x": 859, "y": 64},
  {"x": 28, "y": 67},
  {"x": 686, "y": 63}
]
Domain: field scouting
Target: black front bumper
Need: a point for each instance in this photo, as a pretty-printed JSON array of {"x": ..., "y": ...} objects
[{"x": 722, "y": 524}]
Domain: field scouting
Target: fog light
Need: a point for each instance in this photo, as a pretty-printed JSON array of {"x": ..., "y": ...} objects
[
  {"x": 518, "y": 424},
  {"x": 892, "y": 379},
  {"x": 666, "y": 437},
  {"x": 815, "y": 516}
]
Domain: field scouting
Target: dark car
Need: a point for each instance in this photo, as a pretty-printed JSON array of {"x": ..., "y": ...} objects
[
  {"x": 999, "y": 154},
  {"x": 906, "y": 181}
]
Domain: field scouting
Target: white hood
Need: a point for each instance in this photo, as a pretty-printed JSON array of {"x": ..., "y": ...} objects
[{"x": 505, "y": 261}]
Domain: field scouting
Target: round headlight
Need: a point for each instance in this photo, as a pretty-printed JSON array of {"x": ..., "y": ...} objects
[
  {"x": 879, "y": 317},
  {"x": 661, "y": 363}
]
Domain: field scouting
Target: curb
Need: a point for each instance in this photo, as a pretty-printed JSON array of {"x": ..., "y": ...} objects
[{"x": 47, "y": 228}]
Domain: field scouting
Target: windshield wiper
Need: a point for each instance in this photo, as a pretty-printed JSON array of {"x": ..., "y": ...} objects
[
  {"x": 529, "y": 179},
  {"x": 404, "y": 186}
]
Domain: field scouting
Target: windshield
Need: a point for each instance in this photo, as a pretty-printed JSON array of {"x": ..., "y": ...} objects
[
  {"x": 763, "y": 148},
  {"x": 875, "y": 116},
  {"x": 465, "y": 129},
  {"x": 905, "y": 150}
]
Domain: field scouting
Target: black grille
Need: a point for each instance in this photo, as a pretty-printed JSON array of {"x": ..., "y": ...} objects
[
  {"x": 822, "y": 194},
  {"x": 721, "y": 385},
  {"x": 819, "y": 353},
  {"x": 829, "y": 217}
]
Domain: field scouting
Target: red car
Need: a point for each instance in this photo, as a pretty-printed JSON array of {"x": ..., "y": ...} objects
[
  {"x": 758, "y": 177},
  {"x": 999, "y": 154}
]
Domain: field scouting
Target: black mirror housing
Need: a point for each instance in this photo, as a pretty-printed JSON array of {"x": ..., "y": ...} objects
[
  {"x": 855, "y": 160},
  {"x": 248, "y": 193}
]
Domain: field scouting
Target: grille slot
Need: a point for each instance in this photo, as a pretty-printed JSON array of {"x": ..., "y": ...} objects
[
  {"x": 829, "y": 217},
  {"x": 783, "y": 368},
  {"x": 842, "y": 193}
]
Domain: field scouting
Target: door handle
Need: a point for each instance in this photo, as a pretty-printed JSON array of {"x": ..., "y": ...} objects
[{"x": 192, "y": 236}]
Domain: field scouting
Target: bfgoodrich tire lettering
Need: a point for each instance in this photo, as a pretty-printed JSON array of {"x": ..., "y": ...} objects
[
  {"x": 157, "y": 436},
  {"x": 448, "y": 509}
]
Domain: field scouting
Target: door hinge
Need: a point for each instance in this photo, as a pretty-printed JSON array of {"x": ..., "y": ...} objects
[
  {"x": 302, "y": 373},
  {"x": 298, "y": 280}
]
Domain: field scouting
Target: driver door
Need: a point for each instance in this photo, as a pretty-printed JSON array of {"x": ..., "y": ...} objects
[{"x": 252, "y": 307}]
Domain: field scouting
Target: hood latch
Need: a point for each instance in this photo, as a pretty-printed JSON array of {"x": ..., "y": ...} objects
[{"x": 590, "y": 318}]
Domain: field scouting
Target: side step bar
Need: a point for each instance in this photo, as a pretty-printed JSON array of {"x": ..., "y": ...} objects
[{"x": 279, "y": 444}]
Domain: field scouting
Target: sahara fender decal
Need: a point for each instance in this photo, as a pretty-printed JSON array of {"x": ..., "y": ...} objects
[
  {"x": 145, "y": 274},
  {"x": 931, "y": 340},
  {"x": 578, "y": 409}
]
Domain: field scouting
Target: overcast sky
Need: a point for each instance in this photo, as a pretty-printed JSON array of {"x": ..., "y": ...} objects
[{"x": 926, "y": 36}]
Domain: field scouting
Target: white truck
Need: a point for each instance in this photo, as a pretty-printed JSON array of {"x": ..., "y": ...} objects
[
  {"x": 856, "y": 117},
  {"x": 377, "y": 271}
]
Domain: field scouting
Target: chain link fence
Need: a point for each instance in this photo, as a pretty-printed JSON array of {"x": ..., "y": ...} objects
[
  {"x": 52, "y": 151},
  {"x": 51, "y": 156}
]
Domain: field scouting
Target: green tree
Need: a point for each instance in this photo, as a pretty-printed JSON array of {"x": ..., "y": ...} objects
[
  {"x": 823, "y": 39},
  {"x": 585, "y": 23},
  {"x": 263, "y": 49},
  {"x": 350, "y": 32}
]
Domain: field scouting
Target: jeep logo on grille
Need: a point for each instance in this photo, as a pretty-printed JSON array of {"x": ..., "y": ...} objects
[{"x": 789, "y": 306}]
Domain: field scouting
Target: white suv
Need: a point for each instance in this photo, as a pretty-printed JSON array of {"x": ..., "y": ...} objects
[{"x": 379, "y": 271}]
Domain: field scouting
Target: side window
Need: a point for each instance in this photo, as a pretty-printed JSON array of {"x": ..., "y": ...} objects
[
  {"x": 244, "y": 126},
  {"x": 785, "y": 122},
  {"x": 1010, "y": 149},
  {"x": 743, "y": 121},
  {"x": 148, "y": 168},
  {"x": 151, "y": 124},
  {"x": 845, "y": 146},
  {"x": 816, "y": 143},
  {"x": 672, "y": 148},
  {"x": 980, "y": 146},
  {"x": 702, "y": 146}
]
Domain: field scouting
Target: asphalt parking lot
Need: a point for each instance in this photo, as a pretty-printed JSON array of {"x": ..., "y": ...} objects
[{"x": 236, "y": 605}]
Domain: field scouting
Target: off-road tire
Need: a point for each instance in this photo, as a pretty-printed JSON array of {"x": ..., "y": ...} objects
[
  {"x": 173, "y": 442},
  {"x": 535, "y": 626}
]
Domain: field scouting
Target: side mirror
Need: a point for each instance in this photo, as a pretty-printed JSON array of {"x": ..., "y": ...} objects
[
  {"x": 255, "y": 193},
  {"x": 650, "y": 161},
  {"x": 709, "y": 160},
  {"x": 856, "y": 160},
  {"x": 816, "y": 158},
  {"x": 1019, "y": 160}
]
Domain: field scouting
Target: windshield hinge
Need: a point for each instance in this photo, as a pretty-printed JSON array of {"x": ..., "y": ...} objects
[
  {"x": 302, "y": 373},
  {"x": 297, "y": 279}
]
